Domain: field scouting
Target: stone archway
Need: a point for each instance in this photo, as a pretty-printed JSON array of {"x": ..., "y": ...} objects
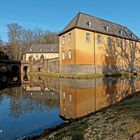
[
  {"x": 25, "y": 67},
  {"x": 25, "y": 70}
]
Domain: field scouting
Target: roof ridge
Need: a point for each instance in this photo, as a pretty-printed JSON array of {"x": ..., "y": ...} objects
[
  {"x": 79, "y": 21},
  {"x": 78, "y": 16},
  {"x": 102, "y": 19},
  {"x": 75, "y": 18}
]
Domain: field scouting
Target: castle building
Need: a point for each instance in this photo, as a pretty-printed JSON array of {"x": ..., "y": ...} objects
[{"x": 90, "y": 45}]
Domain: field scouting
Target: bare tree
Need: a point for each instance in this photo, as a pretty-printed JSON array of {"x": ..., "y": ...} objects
[
  {"x": 50, "y": 37},
  {"x": 38, "y": 34},
  {"x": 27, "y": 39},
  {"x": 15, "y": 37},
  {"x": 21, "y": 39},
  {"x": 1, "y": 42}
]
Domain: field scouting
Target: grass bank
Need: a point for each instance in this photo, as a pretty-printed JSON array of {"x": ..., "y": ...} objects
[
  {"x": 58, "y": 75},
  {"x": 118, "y": 122},
  {"x": 85, "y": 76}
]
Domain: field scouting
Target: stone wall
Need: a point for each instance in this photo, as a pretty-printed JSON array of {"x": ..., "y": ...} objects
[
  {"x": 49, "y": 65},
  {"x": 53, "y": 65},
  {"x": 88, "y": 69}
]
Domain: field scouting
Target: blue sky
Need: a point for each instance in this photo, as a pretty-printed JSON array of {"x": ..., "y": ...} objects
[{"x": 54, "y": 15}]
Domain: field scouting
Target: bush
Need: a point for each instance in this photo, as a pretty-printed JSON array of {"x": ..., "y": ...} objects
[{"x": 3, "y": 56}]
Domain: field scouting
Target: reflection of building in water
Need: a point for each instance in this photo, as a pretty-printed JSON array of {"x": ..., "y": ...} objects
[
  {"x": 38, "y": 95},
  {"x": 41, "y": 84},
  {"x": 79, "y": 98},
  {"x": 22, "y": 101},
  {"x": 43, "y": 90}
]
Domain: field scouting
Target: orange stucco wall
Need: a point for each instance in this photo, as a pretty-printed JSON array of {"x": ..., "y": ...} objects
[
  {"x": 90, "y": 99},
  {"x": 66, "y": 47},
  {"x": 92, "y": 52}
]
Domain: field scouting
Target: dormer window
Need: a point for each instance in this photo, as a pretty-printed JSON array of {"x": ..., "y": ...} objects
[
  {"x": 107, "y": 28},
  {"x": 132, "y": 35},
  {"x": 89, "y": 24},
  {"x": 121, "y": 32}
]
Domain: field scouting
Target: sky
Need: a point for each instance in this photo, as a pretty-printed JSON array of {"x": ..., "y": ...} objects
[{"x": 54, "y": 15}]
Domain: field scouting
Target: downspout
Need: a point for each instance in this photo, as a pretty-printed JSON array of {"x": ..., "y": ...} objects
[{"x": 94, "y": 54}]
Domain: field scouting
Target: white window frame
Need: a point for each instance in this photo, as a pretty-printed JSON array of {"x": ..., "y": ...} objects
[
  {"x": 109, "y": 41},
  {"x": 63, "y": 40},
  {"x": 88, "y": 38},
  {"x": 70, "y": 54},
  {"x": 99, "y": 39},
  {"x": 69, "y": 37},
  {"x": 47, "y": 56},
  {"x": 53, "y": 55},
  {"x": 63, "y": 55}
]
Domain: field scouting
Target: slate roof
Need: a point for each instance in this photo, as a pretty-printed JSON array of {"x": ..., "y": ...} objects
[
  {"x": 81, "y": 21},
  {"x": 43, "y": 48}
]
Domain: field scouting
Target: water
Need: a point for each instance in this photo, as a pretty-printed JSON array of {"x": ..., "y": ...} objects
[
  {"x": 40, "y": 103},
  {"x": 28, "y": 109}
]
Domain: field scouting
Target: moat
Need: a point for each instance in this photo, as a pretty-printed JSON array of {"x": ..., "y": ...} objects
[{"x": 38, "y": 103}]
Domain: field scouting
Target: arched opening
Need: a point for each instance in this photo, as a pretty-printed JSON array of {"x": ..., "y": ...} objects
[
  {"x": 39, "y": 69},
  {"x": 3, "y": 78},
  {"x": 25, "y": 69},
  {"x": 3, "y": 68},
  {"x": 25, "y": 77},
  {"x": 15, "y": 69}
]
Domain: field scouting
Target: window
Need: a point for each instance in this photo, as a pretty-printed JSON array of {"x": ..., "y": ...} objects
[
  {"x": 89, "y": 24},
  {"x": 46, "y": 55},
  {"x": 99, "y": 39},
  {"x": 70, "y": 54},
  {"x": 87, "y": 37},
  {"x": 125, "y": 44},
  {"x": 53, "y": 55},
  {"x": 107, "y": 28},
  {"x": 63, "y": 55},
  {"x": 36, "y": 55},
  {"x": 133, "y": 45},
  {"x": 64, "y": 95},
  {"x": 70, "y": 98},
  {"x": 69, "y": 37},
  {"x": 132, "y": 35},
  {"x": 121, "y": 32},
  {"x": 109, "y": 42},
  {"x": 63, "y": 40},
  {"x": 119, "y": 42}
]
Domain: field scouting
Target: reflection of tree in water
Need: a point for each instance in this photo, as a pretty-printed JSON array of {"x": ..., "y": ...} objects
[
  {"x": 111, "y": 89},
  {"x": 22, "y": 106},
  {"x": 1, "y": 99},
  {"x": 118, "y": 88},
  {"x": 132, "y": 86},
  {"x": 28, "y": 103},
  {"x": 22, "y": 101}
]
